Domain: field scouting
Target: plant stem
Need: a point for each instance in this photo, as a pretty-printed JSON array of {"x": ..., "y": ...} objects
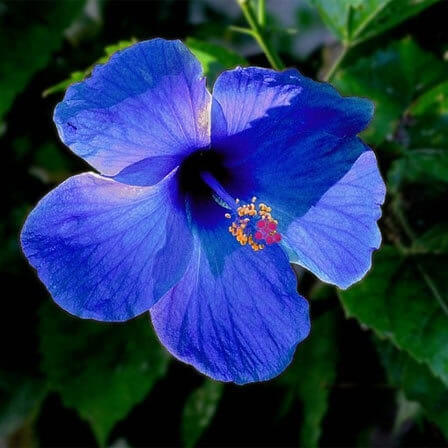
[
  {"x": 396, "y": 208},
  {"x": 336, "y": 63},
  {"x": 260, "y": 35},
  {"x": 262, "y": 13},
  {"x": 242, "y": 30}
]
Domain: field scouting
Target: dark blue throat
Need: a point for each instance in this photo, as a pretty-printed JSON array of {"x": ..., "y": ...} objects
[
  {"x": 202, "y": 161},
  {"x": 204, "y": 178}
]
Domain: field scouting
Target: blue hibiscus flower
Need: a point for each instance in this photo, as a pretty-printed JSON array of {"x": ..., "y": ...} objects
[{"x": 202, "y": 202}]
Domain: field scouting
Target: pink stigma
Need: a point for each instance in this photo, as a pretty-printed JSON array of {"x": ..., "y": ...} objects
[{"x": 267, "y": 231}]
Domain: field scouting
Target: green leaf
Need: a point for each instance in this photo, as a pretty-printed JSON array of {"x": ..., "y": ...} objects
[
  {"x": 428, "y": 119},
  {"x": 29, "y": 36},
  {"x": 435, "y": 240},
  {"x": 419, "y": 166},
  {"x": 112, "y": 49},
  {"x": 20, "y": 401},
  {"x": 354, "y": 21},
  {"x": 199, "y": 410},
  {"x": 417, "y": 383},
  {"x": 335, "y": 14},
  {"x": 214, "y": 58},
  {"x": 406, "y": 410},
  {"x": 63, "y": 85},
  {"x": 391, "y": 78},
  {"x": 50, "y": 164},
  {"x": 399, "y": 304},
  {"x": 425, "y": 136},
  {"x": 312, "y": 374},
  {"x": 78, "y": 76},
  {"x": 100, "y": 369}
]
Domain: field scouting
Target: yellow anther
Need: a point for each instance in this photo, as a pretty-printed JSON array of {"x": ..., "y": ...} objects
[{"x": 241, "y": 229}]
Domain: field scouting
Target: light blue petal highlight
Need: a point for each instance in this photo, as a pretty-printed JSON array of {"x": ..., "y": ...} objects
[
  {"x": 149, "y": 100},
  {"x": 108, "y": 251},
  {"x": 293, "y": 102},
  {"x": 336, "y": 237}
]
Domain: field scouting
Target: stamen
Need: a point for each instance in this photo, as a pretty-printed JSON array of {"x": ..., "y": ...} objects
[
  {"x": 252, "y": 225},
  {"x": 255, "y": 226}
]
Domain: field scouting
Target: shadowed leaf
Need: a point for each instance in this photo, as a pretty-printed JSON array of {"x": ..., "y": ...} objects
[
  {"x": 417, "y": 383},
  {"x": 29, "y": 35},
  {"x": 311, "y": 376},
  {"x": 398, "y": 305},
  {"x": 100, "y": 369},
  {"x": 392, "y": 78},
  {"x": 20, "y": 400}
]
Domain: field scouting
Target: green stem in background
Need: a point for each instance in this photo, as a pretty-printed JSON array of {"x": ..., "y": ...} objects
[
  {"x": 242, "y": 30},
  {"x": 259, "y": 32},
  {"x": 401, "y": 218},
  {"x": 433, "y": 287},
  {"x": 336, "y": 63},
  {"x": 262, "y": 13},
  {"x": 353, "y": 41}
]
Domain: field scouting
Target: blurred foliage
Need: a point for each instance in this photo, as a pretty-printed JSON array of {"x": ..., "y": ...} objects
[
  {"x": 392, "y": 78},
  {"x": 417, "y": 382},
  {"x": 311, "y": 376},
  {"x": 379, "y": 378},
  {"x": 99, "y": 370},
  {"x": 30, "y": 33},
  {"x": 397, "y": 300},
  {"x": 199, "y": 409},
  {"x": 214, "y": 58},
  {"x": 354, "y": 21},
  {"x": 21, "y": 398}
]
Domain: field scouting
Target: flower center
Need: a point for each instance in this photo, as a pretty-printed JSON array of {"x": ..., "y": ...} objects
[{"x": 252, "y": 223}]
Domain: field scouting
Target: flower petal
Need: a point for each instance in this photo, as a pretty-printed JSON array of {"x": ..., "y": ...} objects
[
  {"x": 295, "y": 146},
  {"x": 149, "y": 100},
  {"x": 105, "y": 250},
  {"x": 293, "y": 103},
  {"x": 310, "y": 139},
  {"x": 336, "y": 237},
  {"x": 235, "y": 315}
]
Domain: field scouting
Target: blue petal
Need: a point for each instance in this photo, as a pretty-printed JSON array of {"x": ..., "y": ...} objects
[
  {"x": 300, "y": 154},
  {"x": 148, "y": 171},
  {"x": 149, "y": 100},
  {"x": 105, "y": 250},
  {"x": 291, "y": 100},
  {"x": 235, "y": 315},
  {"x": 301, "y": 129},
  {"x": 307, "y": 171},
  {"x": 336, "y": 237}
]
